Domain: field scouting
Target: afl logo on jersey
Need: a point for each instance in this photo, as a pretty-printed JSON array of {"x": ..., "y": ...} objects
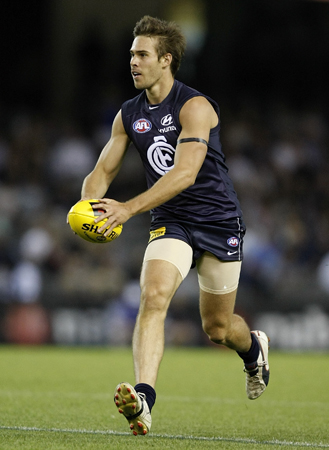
[
  {"x": 161, "y": 155},
  {"x": 142, "y": 126},
  {"x": 233, "y": 241}
]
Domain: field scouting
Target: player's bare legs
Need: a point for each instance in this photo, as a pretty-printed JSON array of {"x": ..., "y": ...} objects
[
  {"x": 226, "y": 328},
  {"x": 221, "y": 324},
  {"x": 159, "y": 282}
]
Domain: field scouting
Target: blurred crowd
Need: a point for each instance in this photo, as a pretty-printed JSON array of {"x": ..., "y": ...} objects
[{"x": 278, "y": 161}]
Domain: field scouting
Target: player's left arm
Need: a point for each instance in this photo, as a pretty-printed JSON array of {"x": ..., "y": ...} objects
[{"x": 197, "y": 117}]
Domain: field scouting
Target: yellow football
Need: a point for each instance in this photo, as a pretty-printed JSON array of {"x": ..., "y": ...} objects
[{"x": 81, "y": 219}]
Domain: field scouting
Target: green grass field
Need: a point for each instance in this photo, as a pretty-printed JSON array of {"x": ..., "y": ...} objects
[{"x": 61, "y": 398}]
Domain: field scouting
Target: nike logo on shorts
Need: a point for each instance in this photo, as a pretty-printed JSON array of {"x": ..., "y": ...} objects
[{"x": 232, "y": 253}]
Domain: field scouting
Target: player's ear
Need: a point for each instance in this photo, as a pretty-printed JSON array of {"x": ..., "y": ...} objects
[{"x": 167, "y": 59}]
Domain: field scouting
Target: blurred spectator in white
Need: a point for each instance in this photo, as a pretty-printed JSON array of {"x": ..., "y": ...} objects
[
  {"x": 36, "y": 245},
  {"x": 26, "y": 278},
  {"x": 26, "y": 282},
  {"x": 72, "y": 157}
]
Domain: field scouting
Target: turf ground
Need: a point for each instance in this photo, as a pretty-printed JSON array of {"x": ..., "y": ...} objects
[{"x": 61, "y": 398}]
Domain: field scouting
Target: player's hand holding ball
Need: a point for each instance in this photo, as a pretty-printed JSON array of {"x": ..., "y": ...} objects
[{"x": 81, "y": 219}]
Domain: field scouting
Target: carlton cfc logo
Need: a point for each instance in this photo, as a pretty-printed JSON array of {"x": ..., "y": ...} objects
[
  {"x": 142, "y": 126},
  {"x": 161, "y": 155},
  {"x": 233, "y": 241}
]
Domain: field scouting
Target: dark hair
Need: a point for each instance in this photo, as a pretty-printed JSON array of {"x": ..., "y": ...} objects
[{"x": 170, "y": 38}]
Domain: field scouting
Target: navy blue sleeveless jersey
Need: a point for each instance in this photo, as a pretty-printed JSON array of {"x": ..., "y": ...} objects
[{"x": 154, "y": 130}]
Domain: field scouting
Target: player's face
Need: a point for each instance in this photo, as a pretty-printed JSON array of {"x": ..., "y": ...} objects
[{"x": 146, "y": 68}]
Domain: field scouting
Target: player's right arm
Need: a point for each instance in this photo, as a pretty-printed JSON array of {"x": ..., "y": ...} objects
[{"x": 96, "y": 184}]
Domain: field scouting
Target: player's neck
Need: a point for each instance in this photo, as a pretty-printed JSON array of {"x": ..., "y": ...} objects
[{"x": 157, "y": 93}]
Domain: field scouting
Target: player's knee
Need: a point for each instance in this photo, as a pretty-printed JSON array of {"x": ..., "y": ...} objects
[
  {"x": 216, "y": 330},
  {"x": 154, "y": 299}
]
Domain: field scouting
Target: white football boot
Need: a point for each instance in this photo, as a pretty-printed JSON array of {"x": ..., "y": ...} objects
[
  {"x": 133, "y": 406},
  {"x": 257, "y": 379}
]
